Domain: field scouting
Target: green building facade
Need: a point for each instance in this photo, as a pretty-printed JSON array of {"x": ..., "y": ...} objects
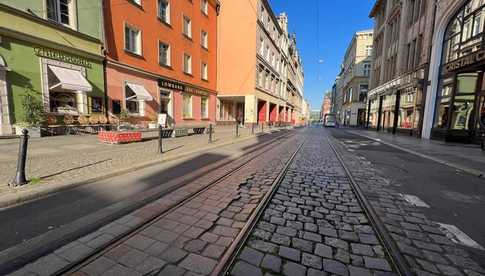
[{"x": 51, "y": 49}]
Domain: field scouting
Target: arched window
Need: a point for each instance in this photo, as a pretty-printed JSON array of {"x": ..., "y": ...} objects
[{"x": 462, "y": 66}]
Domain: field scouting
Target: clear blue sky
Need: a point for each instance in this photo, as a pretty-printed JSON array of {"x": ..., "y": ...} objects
[{"x": 338, "y": 21}]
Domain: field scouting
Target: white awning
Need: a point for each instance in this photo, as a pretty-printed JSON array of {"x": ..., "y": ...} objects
[
  {"x": 70, "y": 79},
  {"x": 141, "y": 94}
]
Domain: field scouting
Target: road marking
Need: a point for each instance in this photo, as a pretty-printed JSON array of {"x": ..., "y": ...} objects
[
  {"x": 414, "y": 200},
  {"x": 458, "y": 236}
]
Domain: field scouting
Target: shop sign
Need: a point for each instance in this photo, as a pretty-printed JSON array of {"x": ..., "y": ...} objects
[
  {"x": 164, "y": 83},
  {"x": 169, "y": 84},
  {"x": 60, "y": 56},
  {"x": 465, "y": 61},
  {"x": 195, "y": 91}
]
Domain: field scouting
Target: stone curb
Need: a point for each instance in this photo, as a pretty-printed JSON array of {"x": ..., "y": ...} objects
[
  {"x": 16, "y": 198},
  {"x": 437, "y": 160}
]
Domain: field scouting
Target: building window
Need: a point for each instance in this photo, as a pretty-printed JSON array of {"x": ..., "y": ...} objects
[
  {"x": 132, "y": 40},
  {"x": 187, "y": 64},
  {"x": 368, "y": 50},
  {"x": 96, "y": 104},
  {"x": 261, "y": 46},
  {"x": 61, "y": 11},
  {"x": 204, "y": 39},
  {"x": 164, "y": 10},
  {"x": 187, "y": 101},
  {"x": 203, "y": 71},
  {"x": 204, "y": 107},
  {"x": 367, "y": 68},
  {"x": 132, "y": 105},
  {"x": 116, "y": 107},
  {"x": 164, "y": 54},
  {"x": 363, "y": 89},
  {"x": 138, "y": 2},
  {"x": 187, "y": 27},
  {"x": 204, "y": 6}
]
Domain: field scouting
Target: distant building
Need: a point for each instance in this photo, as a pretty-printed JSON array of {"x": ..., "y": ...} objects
[
  {"x": 355, "y": 79},
  {"x": 402, "y": 35},
  {"x": 261, "y": 76},
  {"x": 326, "y": 105}
]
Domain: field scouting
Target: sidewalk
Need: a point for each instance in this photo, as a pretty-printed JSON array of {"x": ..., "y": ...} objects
[
  {"x": 466, "y": 157},
  {"x": 67, "y": 160}
]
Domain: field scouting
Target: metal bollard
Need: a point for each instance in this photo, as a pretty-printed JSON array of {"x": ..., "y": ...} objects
[
  {"x": 160, "y": 138},
  {"x": 262, "y": 127},
  {"x": 252, "y": 129},
  {"x": 20, "y": 175},
  {"x": 210, "y": 133},
  {"x": 237, "y": 129}
]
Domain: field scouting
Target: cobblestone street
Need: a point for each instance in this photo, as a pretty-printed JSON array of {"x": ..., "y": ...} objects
[{"x": 314, "y": 224}]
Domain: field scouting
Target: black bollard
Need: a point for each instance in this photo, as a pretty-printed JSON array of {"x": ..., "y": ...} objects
[
  {"x": 252, "y": 129},
  {"x": 262, "y": 127},
  {"x": 210, "y": 133},
  {"x": 237, "y": 129},
  {"x": 160, "y": 138},
  {"x": 20, "y": 175}
]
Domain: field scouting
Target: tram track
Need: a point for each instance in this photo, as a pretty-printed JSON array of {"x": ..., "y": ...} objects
[
  {"x": 396, "y": 257},
  {"x": 228, "y": 259},
  {"x": 254, "y": 154}
]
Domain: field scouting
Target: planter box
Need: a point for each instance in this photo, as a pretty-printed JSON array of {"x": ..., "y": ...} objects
[{"x": 118, "y": 137}]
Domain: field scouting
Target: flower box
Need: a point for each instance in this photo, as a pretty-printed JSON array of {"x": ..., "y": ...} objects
[{"x": 119, "y": 137}]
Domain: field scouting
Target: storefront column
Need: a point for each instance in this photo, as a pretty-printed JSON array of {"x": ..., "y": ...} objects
[
  {"x": 396, "y": 111},
  {"x": 379, "y": 113},
  {"x": 250, "y": 109},
  {"x": 5, "y": 122}
]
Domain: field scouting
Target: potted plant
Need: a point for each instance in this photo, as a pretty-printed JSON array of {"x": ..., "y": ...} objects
[{"x": 34, "y": 114}]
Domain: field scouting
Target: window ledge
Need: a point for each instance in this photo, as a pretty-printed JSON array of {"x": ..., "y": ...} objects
[
  {"x": 169, "y": 67},
  {"x": 205, "y": 119},
  {"x": 204, "y": 80},
  {"x": 134, "y": 54},
  {"x": 204, "y": 48},
  {"x": 187, "y": 37},
  {"x": 136, "y": 4},
  {"x": 189, "y": 119},
  {"x": 167, "y": 24},
  {"x": 188, "y": 74}
]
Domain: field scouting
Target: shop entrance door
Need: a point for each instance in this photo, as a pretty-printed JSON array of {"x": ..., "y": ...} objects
[{"x": 462, "y": 126}]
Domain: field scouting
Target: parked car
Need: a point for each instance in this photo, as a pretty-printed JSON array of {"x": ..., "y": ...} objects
[{"x": 329, "y": 120}]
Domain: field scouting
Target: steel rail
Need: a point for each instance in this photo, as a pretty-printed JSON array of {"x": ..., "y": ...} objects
[
  {"x": 395, "y": 255},
  {"x": 76, "y": 266},
  {"x": 227, "y": 260}
]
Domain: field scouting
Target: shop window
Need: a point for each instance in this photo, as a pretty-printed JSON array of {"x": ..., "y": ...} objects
[
  {"x": 164, "y": 54},
  {"x": 164, "y": 11},
  {"x": 187, "y": 28},
  {"x": 63, "y": 103},
  {"x": 187, "y": 64},
  {"x": 96, "y": 104},
  {"x": 187, "y": 102},
  {"x": 132, "y": 104},
  {"x": 61, "y": 11},
  {"x": 116, "y": 107},
  {"x": 132, "y": 40},
  {"x": 204, "y": 107}
]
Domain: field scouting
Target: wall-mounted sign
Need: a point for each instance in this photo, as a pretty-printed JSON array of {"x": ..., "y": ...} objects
[
  {"x": 170, "y": 84},
  {"x": 164, "y": 83},
  {"x": 60, "y": 56},
  {"x": 465, "y": 61}
]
